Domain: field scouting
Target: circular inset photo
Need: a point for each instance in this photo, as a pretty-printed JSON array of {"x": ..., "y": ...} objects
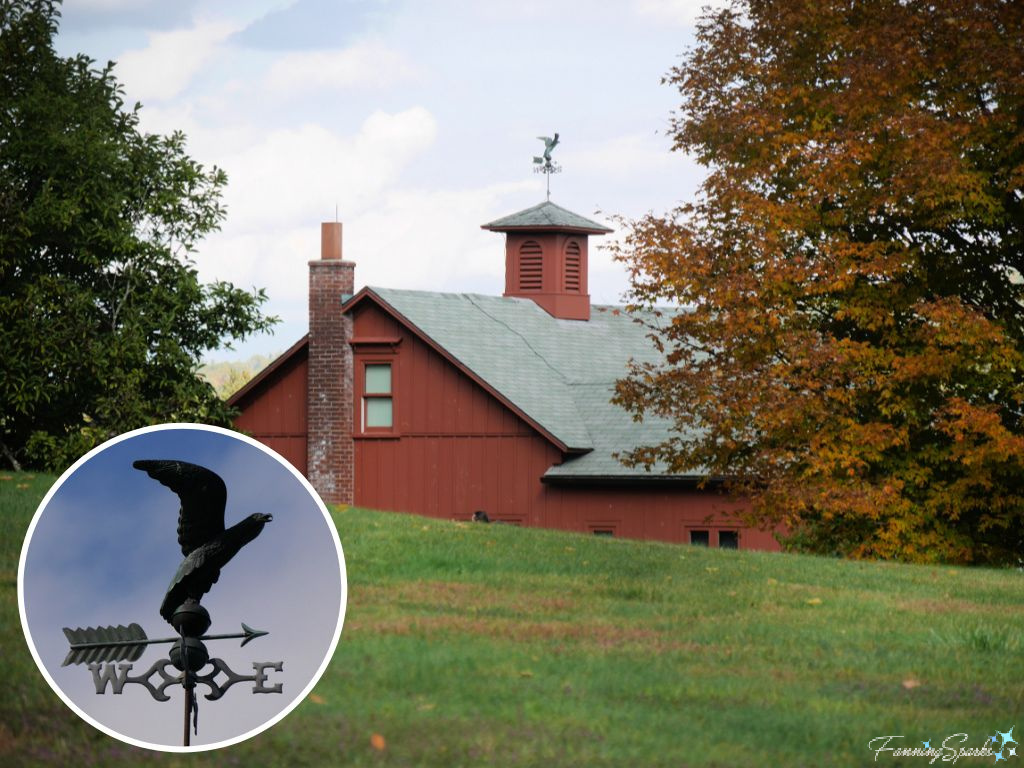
[{"x": 182, "y": 587}]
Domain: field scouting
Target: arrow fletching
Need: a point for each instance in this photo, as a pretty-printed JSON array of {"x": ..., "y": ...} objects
[{"x": 118, "y": 643}]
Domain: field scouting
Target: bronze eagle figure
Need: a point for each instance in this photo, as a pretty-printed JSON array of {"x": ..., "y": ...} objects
[
  {"x": 549, "y": 144},
  {"x": 205, "y": 543}
]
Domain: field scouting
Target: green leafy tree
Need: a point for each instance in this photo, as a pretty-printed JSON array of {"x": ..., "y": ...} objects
[
  {"x": 851, "y": 354},
  {"x": 102, "y": 317}
]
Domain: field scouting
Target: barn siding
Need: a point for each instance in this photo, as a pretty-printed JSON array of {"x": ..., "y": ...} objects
[
  {"x": 275, "y": 412},
  {"x": 662, "y": 513}
]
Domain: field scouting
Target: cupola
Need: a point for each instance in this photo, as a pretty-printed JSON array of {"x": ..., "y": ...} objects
[{"x": 546, "y": 258}]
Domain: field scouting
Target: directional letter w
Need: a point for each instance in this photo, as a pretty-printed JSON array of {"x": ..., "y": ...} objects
[{"x": 115, "y": 674}]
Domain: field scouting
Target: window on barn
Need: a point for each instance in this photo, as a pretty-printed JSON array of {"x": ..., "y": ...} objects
[
  {"x": 377, "y": 403},
  {"x": 700, "y": 538},
  {"x": 603, "y": 532},
  {"x": 729, "y": 539}
]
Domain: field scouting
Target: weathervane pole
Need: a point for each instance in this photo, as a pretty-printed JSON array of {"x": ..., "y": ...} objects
[
  {"x": 189, "y": 655},
  {"x": 187, "y": 741}
]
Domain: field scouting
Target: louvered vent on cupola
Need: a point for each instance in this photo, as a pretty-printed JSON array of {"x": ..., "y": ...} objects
[
  {"x": 572, "y": 266},
  {"x": 531, "y": 266}
]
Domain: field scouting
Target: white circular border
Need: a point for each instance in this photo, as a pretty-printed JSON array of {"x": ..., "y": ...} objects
[{"x": 164, "y": 747}]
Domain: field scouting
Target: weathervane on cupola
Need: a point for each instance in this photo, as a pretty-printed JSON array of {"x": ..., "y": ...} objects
[{"x": 543, "y": 163}]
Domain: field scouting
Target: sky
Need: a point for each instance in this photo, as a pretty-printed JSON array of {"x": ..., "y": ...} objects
[
  {"x": 413, "y": 122},
  {"x": 103, "y": 549}
]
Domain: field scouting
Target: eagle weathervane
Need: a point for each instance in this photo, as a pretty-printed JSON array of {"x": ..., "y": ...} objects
[
  {"x": 208, "y": 547},
  {"x": 544, "y": 164}
]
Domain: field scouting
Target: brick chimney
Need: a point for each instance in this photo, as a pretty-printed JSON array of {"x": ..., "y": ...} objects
[
  {"x": 546, "y": 258},
  {"x": 330, "y": 453}
]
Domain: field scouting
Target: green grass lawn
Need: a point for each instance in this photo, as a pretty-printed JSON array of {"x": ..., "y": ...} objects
[{"x": 491, "y": 645}]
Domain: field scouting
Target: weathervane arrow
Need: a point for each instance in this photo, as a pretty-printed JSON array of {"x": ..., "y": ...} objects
[{"x": 122, "y": 643}]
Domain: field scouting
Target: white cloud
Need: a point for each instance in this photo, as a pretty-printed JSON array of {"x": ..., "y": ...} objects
[
  {"x": 280, "y": 188},
  {"x": 164, "y": 119},
  {"x": 630, "y": 155},
  {"x": 422, "y": 239},
  {"x": 290, "y": 174},
  {"x": 366, "y": 65},
  {"x": 684, "y": 12},
  {"x": 166, "y": 66},
  {"x": 431, "y": 239}
]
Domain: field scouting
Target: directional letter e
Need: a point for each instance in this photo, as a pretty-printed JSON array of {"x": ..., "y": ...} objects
[{"x": 260, "y": 678}]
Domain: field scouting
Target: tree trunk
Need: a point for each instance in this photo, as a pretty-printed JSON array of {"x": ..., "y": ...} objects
[{"x": 9, "y": 456}]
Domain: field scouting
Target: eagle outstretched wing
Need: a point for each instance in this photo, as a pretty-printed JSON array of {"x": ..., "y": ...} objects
[
  {"x": 203, "y": 497},
  {"x": 549, "y": 144}
]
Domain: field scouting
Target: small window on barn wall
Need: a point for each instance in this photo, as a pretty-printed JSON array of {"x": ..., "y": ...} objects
[
  {"x": 603, "y": 528},
  {"x": 572, "y": 266},
  {"x": 729, "y": 539},
  {"x": 700, "y": 538},
  {"x": 378, "y": 410},
  {"x": 531, "y": 266}
]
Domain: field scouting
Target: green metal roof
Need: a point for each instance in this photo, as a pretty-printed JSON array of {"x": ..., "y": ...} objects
[
  {"x": 560, "y": 373},
  {"x": 546, "y": 215}
]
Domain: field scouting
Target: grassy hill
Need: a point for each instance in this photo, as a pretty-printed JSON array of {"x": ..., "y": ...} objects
[{"x": 491, "y": 645}]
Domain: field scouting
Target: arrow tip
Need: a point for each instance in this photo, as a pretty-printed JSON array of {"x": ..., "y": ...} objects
[{"x": 251, "y": 634}]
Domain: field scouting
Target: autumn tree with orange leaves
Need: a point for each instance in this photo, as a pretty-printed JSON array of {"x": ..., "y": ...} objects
[{"x": 851, "y": 351}]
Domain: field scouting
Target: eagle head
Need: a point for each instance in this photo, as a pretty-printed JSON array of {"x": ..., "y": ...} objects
[{"x": 248, "y": 528}]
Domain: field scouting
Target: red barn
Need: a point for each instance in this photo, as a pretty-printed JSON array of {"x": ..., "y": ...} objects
[{"x": 442, "y": 404}]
